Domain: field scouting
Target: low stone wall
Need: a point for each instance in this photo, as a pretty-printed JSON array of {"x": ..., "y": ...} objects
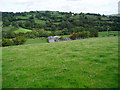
[{"x": 65, "y": 39}]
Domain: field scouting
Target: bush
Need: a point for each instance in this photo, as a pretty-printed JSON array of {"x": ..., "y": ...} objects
[
  {"x": 42, "y": 33},
  {"x": 84, "y": 34},
  {"x": 93, "y": 33},
  {"x": 58, "y": 33},
  {"x": 32, "y": 34},
  {"x": 7, "y": 42},
  {"x": 8, "y": 34},
  {"x": 114, "y": 35},
  {"x": 74, "y": 36},
  {"x": 19, "y": 40}
]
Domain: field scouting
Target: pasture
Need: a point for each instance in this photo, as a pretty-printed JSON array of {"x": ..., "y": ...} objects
[
  {"x": 110, "y": 33},
  {"x": 22, "y": 30},
  {"x": 36, "y": 40},
  {"x": 85, "y": 63},
  {"x": 44, "y": 40}
]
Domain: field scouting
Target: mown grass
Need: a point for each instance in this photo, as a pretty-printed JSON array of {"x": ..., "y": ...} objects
[{"x": 85, "y": 63}]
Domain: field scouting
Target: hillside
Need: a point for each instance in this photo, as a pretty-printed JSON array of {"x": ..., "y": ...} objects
[
  {"x": 118, "y": 15},
  {"x": 85, "y": 63},
  {"x": 19, "y": 26},
  {"x": 65, "y": 22}
]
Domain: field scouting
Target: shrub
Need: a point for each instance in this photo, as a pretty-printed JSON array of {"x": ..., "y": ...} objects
[
  {"x": 8, "y": 34},
  {"x": 84, "y": 34},
  {"x": 61, "y": 38},
  {"x": 42, "y": 33},
  {"x": 114, "y": 35},
  {"x": 19, "y": 40},
  {"x": 7, "y": 42},
  {"x": 32, "y": 34},
  {"x": 93, "y": 33},
  {"x": 58, "y": 33},
  {"x": 74, "y": 36}
]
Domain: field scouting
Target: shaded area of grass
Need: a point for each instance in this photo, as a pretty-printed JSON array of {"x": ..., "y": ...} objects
[{"x": 85, "y": 63}]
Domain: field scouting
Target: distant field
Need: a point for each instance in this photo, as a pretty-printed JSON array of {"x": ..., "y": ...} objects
[
  {"x": 8, "y": 28},
  {"x": 85, "y": 63},
  {"x": 39, "y": 21},
  {"x": 36, "y": 40},
  {"x": 41, "y": 40},
  {"x": 66, "y": 36},
  {"x": 22, "y": 30},
  {"x": 110, "y": 33},
  {"x": 22, "y": 17},
  {"x": 44, "y": 40},
  {"x": 16, "y": 30}
]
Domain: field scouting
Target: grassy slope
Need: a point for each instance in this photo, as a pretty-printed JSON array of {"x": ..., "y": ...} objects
[
  {"x": 43, "y": 40},
  {"x": 7, "y": 28},
  {"x": 16, "y": 30},
  {"x": 83, "y": 63},
  {"x": 23, "y": 30},
  {"x": 39, "y": 21},
  {"x": 36, "y": 40},
  {"x": 110, "y": 33}
]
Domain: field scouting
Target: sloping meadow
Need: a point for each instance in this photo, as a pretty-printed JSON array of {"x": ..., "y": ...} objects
[{"x": 86, "y": 63}]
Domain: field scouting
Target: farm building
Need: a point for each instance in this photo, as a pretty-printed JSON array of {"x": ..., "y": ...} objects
[{"x": 53, "y": 39}]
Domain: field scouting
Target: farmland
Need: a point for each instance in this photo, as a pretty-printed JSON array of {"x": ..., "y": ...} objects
[
  {"x": 22, "y": 30},
  {"x": 85, "y": 63},
  {"x": 44, "y": 40},
  {"x": 88, "y": 60},
  {"x": 36, "y": 40}
]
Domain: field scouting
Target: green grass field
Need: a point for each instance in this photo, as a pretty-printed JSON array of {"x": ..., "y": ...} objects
[
  {"x": 39, "y": 21},
  {"x": 85, "y": 63},
  {"x": 1, "y": 22},
  {"x": 36, "y": 40},
  {"x": 44, "y": 40},
  {"x": 22, "y": 17},
  {"x": 8, "y": 28},
  {"x": 22, "y": 30},
  {"x": 110, "y": 33}
]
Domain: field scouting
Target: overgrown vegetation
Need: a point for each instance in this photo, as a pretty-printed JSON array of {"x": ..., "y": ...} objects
[
  {"x": 15, "y": 41},
  {"x": 84, "y": 34}
]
